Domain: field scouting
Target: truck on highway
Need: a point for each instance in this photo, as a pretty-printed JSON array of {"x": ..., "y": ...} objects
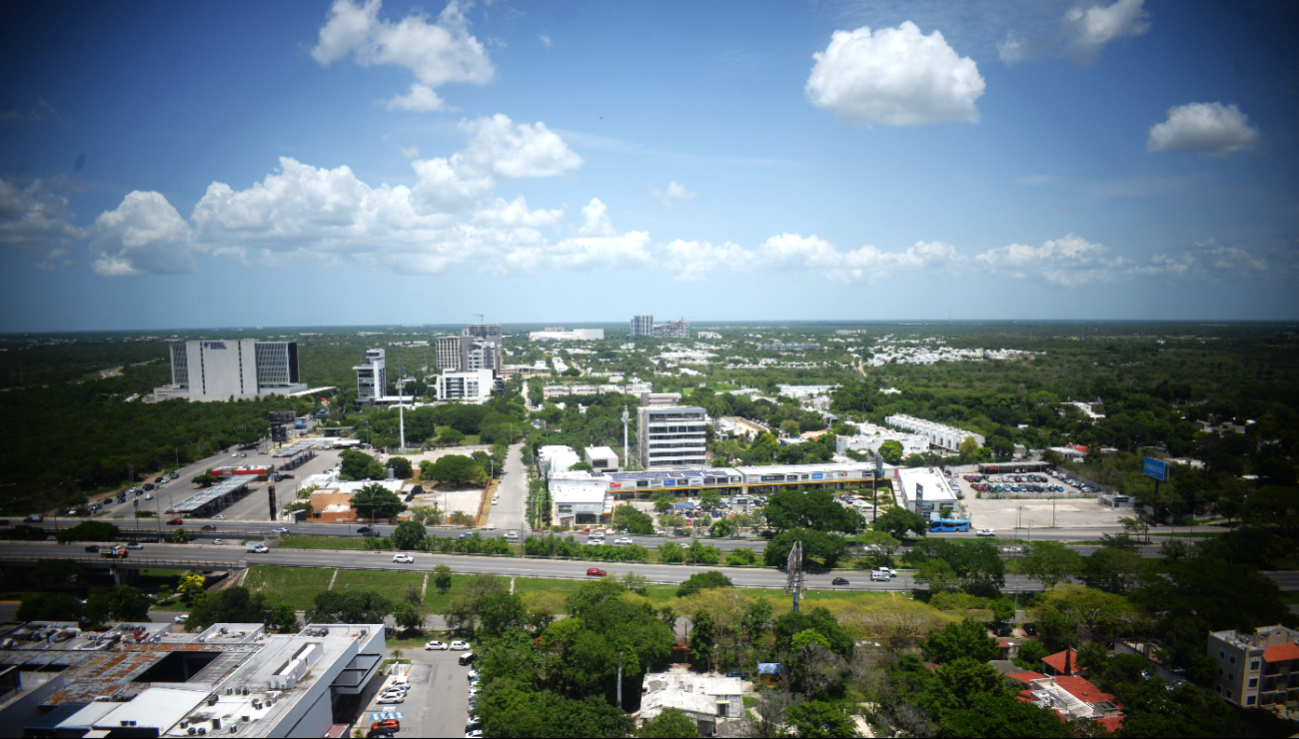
[{"x": 255, "y": 547}]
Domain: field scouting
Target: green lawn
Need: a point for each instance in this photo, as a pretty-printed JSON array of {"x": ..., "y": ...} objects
[
  {"x": 392, "y": 584},
  {"x": 323, "y": 542},
  {"x": 294, "y": 585}
]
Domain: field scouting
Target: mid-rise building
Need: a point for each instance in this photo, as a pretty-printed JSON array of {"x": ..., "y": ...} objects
[
  {"x": 221, "y": 369},
  {"x": 478, "y": 347},
  {"x": 871, "y": 443},
  {"x": 601, "y": 458},
  {"x": 469, "y": 386},
  {"x": 1255, "y": 670},
  {"x": 642, "y": 325},
  {"x": 672, "y": 330},
  {"x": 939, "y": 435},
  {"x": 672, "y": 437},
  {"x": 371, "y": 376}
]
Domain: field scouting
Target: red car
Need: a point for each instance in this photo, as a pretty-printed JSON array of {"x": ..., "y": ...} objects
[
  {"x": 596, "y": 572},
  {"x": 388, "y": 724},
  {"x": 175, "y": 522}
]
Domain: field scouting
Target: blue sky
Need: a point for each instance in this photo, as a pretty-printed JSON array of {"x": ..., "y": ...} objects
[{"x": 174, "y": 165}]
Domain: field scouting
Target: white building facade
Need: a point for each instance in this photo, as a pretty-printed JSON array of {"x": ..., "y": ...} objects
[
  {"x": 672, "y": 437},
  {"x": 220, "y": 369},
  {"x": 470, "y": 386},
  {"x": 939, "y": 435}
]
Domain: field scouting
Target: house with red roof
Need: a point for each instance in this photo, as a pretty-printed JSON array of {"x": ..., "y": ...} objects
[
  {"x": 1061, "y": 663},
  {"x": 1071, "y": 697},
  {"x": 1255, "y": 670}
]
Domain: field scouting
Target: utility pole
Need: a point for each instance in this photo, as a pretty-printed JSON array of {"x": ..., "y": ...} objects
[
  {"x": 401, "y": 404},
  {"x": 625, "y": 459}
]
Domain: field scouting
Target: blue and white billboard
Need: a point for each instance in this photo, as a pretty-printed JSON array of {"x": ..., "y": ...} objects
[{"x": 1156, "y": 468}]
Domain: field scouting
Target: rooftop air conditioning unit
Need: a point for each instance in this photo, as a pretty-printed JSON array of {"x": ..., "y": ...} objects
[
  {"x": 245, "y": 719},
  {"x": 230, "y": 691},
  {"x": 202, "y": 731},
  {"x": 184, "y": 724},
  {"x": 191, "y": 731},
  {"x": 245, "y": 690},
  {"x": 212, "y": 699},
  {"x": 257, "y": 704},
  {"x": 216, "y": 724}
]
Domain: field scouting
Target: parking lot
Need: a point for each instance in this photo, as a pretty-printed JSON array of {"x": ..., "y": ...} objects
[{"x": 438, "y": 702}]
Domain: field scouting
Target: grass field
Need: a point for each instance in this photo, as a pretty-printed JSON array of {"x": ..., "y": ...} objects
[
  {"x": 299, "y": 585},
  {"x": 323, "y": 542}
]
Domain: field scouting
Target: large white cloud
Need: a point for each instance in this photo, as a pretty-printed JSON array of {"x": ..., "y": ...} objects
[
  {"x": 143, "y": 234},
  {"x": 1207, "y": 128},
  {"x": 1084, "y": 31},
  {"x": 498, "y": 146},
  {"x": 691, "y": 261},
  {"x": 895, "y": 77},
  {"x": 436, "y": 53},
  {"x": 1071, "y": 260},
  {"x": 449, "y": 217}
]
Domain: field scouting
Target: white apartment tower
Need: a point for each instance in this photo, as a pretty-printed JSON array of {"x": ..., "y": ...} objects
[
  {"x": 221, "y": 369},
  {"x": 672, "y": 437},
  {"x": 642, "y": 325}
]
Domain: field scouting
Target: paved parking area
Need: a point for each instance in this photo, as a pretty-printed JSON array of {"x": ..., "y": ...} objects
[
  {"x": 1006, "y": 514},
  {"x": 438, "y": 702}
]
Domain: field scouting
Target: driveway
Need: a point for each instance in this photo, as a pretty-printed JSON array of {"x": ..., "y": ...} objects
[{"x": 508, "y": 513}]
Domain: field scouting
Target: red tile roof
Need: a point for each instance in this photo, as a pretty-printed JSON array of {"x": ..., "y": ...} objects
[
  {"x": 1281, "y": 652},
  {"x": 1056, "y": 661},
  {"x": 1025, "y": 677},
  {"x": 1083, "y": 690}
]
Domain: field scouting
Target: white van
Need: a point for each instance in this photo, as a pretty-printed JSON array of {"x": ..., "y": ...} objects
[{"x": 877, "y": 576}]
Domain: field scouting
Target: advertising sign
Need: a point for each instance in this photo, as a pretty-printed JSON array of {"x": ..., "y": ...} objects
[
  {"x": 280, "y": 417},
  {"x": 1156, "y": 468},
  {"x": 920, "y": 498},
  {"x": 879, "y": 465}
]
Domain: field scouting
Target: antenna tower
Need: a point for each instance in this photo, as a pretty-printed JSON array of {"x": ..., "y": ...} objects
[
  {"x": 794, "y": 568},
  {"x": 401, "y": 402},
  {"x": 626, "y": 462}
]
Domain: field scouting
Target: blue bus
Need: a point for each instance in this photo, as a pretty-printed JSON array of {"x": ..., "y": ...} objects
[{"x": 949, "y": 524}]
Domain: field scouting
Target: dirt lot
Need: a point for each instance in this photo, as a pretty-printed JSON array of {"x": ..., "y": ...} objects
[{"x": 1005, "y": 515}]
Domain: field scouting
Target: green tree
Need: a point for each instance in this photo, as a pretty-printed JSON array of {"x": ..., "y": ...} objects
[
  {"x": 829, "y": 549},
  {"x": 232, "y": 605},
  {"x": 670, "y": 552},
  {"x": 817, "y": 719},
  {"x": 286, "y": 618},
  {"x": 442, "y": 578},
  {"x": 460, "y": 518},
  {"x": 740, "y": 557},
  {"x": 401, "y": 468},
  {"x": 354, "y": 465},
  {"x": 969, "y": 450},
  {"x": 810, "y": 509},
  {"x": 703, "y": 581},
  {"x": 721, "y": 528},
  {"x": 891, "y": 451},
  {"x": 450, "y": 437},
  {"x": 1050, "y": 562},
  {"x": 806, "y": 637},
  {"x": 581, "y": 466},
  {"x": 703, "y": 639},
  {"x": 1031, "y": 653},
  {"x": 897, "y": 521},
  {"x": 349, "y": 607},
  {"x": 376, "y": 502},
  {"x": 663, "y": 500},
  {"x": 457, "y": 470},
  {"x": 969, "y": 638},
  {"x": 633, "y": 521},
  {"x": 818, "y": 619},
  {"x": 409, "y": 535},
  {"x": 498, "y": 612},
  {"x": 57, "y": 574},
  {"x": 671, "y": 723},
  {"x": 49, "y": 607},
  {"x": 409, "y": 616}
]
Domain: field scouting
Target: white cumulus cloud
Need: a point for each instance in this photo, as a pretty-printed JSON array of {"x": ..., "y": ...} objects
[
  {"x": 1207, "y": 128},
  {"x": 691, "y": 261},
  {"x": 1071, "y": 260},
  {"x": 895, "y": 77},
  {"x": 504, "y": 149},
  {"x": 436, "y": 53},
  {"x": 675, "y": 192},
  {"x": 1089, "y": 29},
  {"x": 143, "y": 234}
]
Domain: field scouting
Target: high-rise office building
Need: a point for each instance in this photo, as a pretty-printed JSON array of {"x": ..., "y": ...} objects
[
  {"x": 642, "y": 325},
  {"x": 221, "y": 369},
  {"x": 673, "y": 330},
  {"x": 672, "y": 437},
  {"x": 478, "y": 347},
  {"x": 371, "y": 376}
]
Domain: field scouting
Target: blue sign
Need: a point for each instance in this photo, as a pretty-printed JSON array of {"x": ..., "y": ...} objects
[
  {"x": 669, "y": 483},
  {"x": 1156, "y": 468},
  {"x": 214, "y": 345},
  {"x": 818, "y": 476}
]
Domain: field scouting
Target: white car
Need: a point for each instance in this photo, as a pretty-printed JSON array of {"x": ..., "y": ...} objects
[
  {"x": 459, "y": 645},
  {"x": 403, "y": 558},
  {"x": 219, "y": 516},
  {"x": 496, "y": 499},
  {"x": 182, "y": 618},
  {"x": 623, "y": 540},
  {"x": 218, "y": 541},
  {"x": 149, "y": 496},
  {"x": 431, "y": 645},
  {"x": 986, "y": 532},
  {"x": 281, "y": 530},
  {"x": 391, "y": 699},
  {"x": 512, "y": 535},
  {"x": 886, "y": 571}
]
